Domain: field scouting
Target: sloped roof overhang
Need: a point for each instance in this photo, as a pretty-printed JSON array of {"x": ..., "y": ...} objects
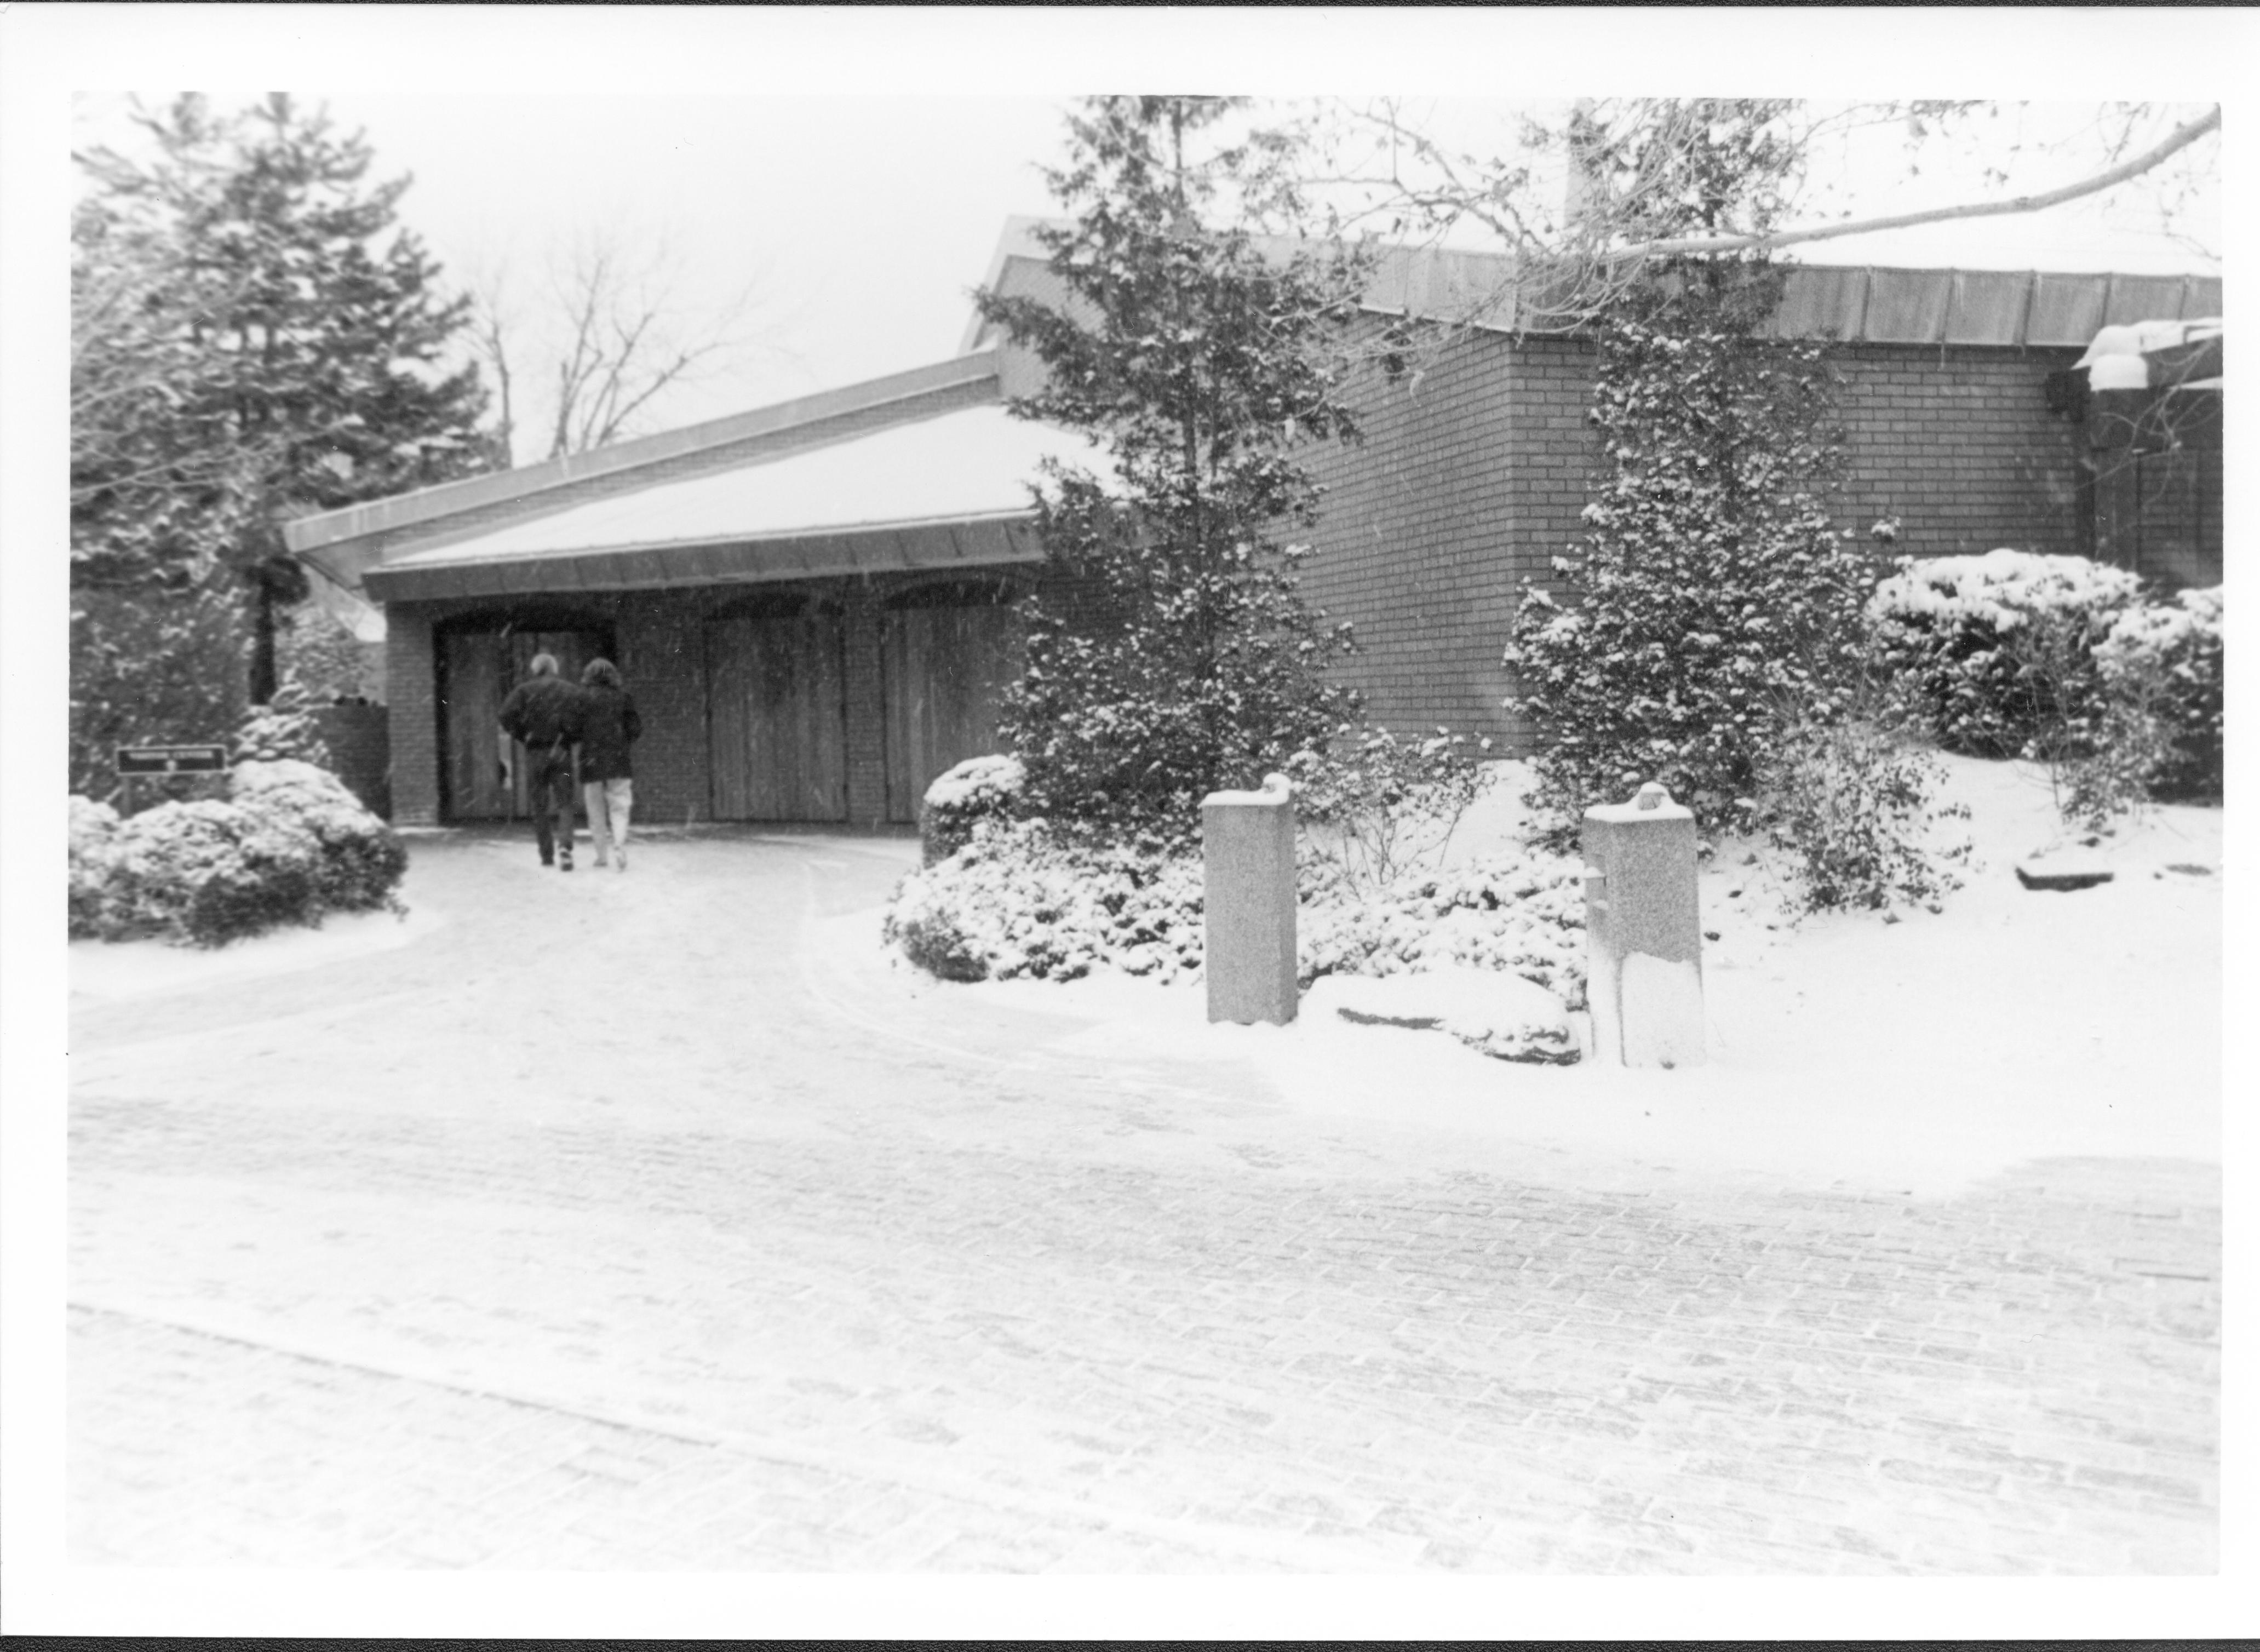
[{"x": 868, "y": 548}]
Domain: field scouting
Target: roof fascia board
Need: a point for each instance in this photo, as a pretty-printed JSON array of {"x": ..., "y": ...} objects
[
  {"x": 991, "y": 542},
  {"x": 449, "y": 499}
]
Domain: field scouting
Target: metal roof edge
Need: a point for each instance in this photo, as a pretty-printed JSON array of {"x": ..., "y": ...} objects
[{"x": 449, "y": 499}]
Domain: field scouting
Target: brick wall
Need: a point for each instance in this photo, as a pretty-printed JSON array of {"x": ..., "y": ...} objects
[
  {"x": 1477, "y": 463},
  {"x": 1960, "y": 444},
  {"x": 361, "y": 752},
  {"x": 412, "y": 715},
  {"x": 1429, "y": 527}
]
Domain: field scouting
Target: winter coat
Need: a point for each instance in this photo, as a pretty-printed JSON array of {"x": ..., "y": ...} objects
[
  {"x": 543, "y": 713},
  {"x": 609, "y": 724}
]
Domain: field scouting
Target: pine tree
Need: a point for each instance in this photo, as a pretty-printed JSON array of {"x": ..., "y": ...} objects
[
  {"x": 253, "y": 335},
  {"x": 1198, "y": 361}
]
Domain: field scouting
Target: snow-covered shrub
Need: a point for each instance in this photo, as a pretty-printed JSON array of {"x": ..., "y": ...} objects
[
  {"x": 93, "y": 830},
  {"x": 1027, "y": 898},
  {"x": 289, "y": 845},
  {"x": 209, "y": 872},
  {"x": 1378, "y": 806},
  {"x": 283, "y": 728},
  {"x": 1711, "y": 587},
  {"x": 978, "y": 789},
  {"x": 1854, "y": 804},
  {"x": 1997, "y": 650},
  {"x": 363, "y": 860},
  {"x": 2162, "y": 669},
  {"x": 1520, "y": 912}
]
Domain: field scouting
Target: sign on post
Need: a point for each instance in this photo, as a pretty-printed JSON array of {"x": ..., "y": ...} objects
[{"x": 171, "y": 760}]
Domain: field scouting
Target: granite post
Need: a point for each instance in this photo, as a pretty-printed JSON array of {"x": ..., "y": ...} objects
[
  {"x": 1643, "y": 932},
  {"x": 1247, "y": 901}
]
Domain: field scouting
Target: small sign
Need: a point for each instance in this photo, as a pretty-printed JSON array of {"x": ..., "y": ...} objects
[{"x": 171, "y": 760}]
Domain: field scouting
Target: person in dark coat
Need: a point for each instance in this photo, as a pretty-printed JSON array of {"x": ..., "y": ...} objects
[
  {"x": 544, "y": 714},
  {"x": 609, "y": 726}
]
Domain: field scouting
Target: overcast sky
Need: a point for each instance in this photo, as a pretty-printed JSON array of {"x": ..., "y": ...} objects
[{"x": 858, "y": 207}]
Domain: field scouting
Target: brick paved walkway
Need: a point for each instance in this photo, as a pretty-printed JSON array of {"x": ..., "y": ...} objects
[{"x": 556, "y": 1278}]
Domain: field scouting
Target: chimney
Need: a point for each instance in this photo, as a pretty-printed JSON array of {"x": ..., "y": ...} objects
[{"x": 1585, "y": 189}]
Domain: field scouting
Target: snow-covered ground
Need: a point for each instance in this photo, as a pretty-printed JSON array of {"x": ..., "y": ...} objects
[
  {"x": 141, "y": 969},
  {"x": 1917, "y": 1054},
  {"x": 1911, "y": 1055}
]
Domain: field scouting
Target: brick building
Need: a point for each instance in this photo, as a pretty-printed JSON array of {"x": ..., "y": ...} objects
[
  {"x": 1962, "y": 416},
  {"x": 809, "y": 600}
]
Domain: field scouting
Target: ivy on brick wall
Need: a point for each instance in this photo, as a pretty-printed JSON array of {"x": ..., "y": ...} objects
[{"x": 1712, "y": 602}]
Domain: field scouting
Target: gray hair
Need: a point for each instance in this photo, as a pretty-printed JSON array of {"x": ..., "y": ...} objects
[
  {"x": 543, "y": 665},
  {"x": 601, "y": 674}
]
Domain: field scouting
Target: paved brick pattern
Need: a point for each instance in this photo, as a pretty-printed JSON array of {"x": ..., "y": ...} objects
[{"x": 937, "y": 1295}]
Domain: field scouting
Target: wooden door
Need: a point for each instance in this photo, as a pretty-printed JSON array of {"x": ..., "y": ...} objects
[
  {"x": 486, "y": 779},
  {"x": 777, "y": 716},
  {"x": 945, "y": 667}
]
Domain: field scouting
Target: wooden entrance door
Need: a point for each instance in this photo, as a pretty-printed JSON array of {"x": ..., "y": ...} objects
[
  {"x": 946, "y": 660},
  {"x": 478, "y": 667},
  {"x": 777, "y": 715}
]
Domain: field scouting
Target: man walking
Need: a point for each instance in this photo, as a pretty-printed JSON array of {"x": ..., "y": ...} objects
[{"x": 544, "y": 714}]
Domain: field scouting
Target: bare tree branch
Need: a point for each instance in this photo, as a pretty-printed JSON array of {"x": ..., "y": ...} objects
[
  {"x": 2179, "y": 139},
  {"x": 618, "y": 335}
]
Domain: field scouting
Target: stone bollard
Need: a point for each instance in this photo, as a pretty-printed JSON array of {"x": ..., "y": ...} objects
[
  {"x": 1643, "y": 932},
  {"x": 1247, "y": 901}
]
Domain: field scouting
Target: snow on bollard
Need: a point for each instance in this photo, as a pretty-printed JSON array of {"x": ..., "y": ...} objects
[
  {"x": 1644, "y": 972},
  {"x": 1247, "y": 902}
]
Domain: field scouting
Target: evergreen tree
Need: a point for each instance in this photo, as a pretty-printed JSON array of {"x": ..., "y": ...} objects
[
  {"x": 1712, "y": 604},
  {"x": 253, "y": 335},
  {"x": 1198, "y": 361}
]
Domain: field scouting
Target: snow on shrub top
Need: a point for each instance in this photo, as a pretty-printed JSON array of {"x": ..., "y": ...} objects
[
  {"x": 2002, "y": 586},
  {"x": 976, "y": 779},
  {"x": 2161, "y": 628}
]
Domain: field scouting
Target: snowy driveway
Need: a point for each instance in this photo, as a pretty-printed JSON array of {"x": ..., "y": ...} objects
[{"x": 631, "y": 1222}]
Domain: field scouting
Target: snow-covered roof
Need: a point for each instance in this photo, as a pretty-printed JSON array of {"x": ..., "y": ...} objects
[
  {"x": 2170, "y": 354},
  {"x": 948, "y": 489}
]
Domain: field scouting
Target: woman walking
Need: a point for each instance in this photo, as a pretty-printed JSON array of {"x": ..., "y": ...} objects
[{"x": 609, "y": 725}]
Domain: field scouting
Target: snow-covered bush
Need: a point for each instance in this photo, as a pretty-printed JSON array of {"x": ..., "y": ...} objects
[
  {"x": 978, "y": 789},
  {"x": 93, "y": 830},
  {"x": 289, "y": 845},
  {"x": 1377, "y": 807},
  {"x": 2162, "y": 669},
  {"x": 284, "y": 728},
  {"x": 1996, "y": 650},
  {"x": 1853, "y": 802},
  {"x": 363, "y": 860},
  {"x": 1027, "y": 898},
  {"x": 1520, "y": 911},
  {"x": 209, "y": 872}
]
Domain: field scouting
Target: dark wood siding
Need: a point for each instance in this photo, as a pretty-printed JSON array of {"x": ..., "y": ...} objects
[
  {"x": 777, "y": 716},
  {"x": 946, "y": 663},
  {"x": 478, "y": 666}
]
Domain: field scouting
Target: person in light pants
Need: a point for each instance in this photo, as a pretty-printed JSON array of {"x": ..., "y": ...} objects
[{"x": 609, "y": 726}]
